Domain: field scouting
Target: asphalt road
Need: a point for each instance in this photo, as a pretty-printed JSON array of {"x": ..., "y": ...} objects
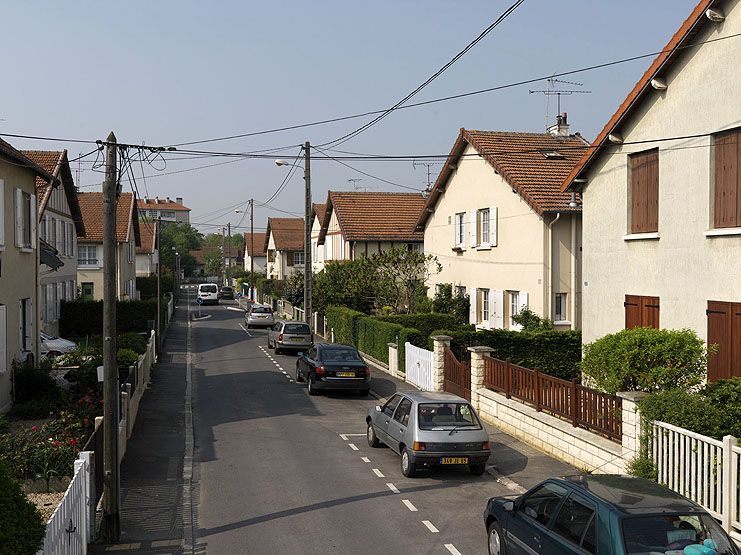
[{"x": 277, "y": 471}]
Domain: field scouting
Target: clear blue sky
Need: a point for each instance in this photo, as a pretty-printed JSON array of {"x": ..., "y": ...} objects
[{"x": 171, "y": 71}]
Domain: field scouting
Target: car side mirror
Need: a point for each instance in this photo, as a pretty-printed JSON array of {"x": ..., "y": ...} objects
[
  {"x": 508, "y": 506},
  {"x": 378, "y": 408}
]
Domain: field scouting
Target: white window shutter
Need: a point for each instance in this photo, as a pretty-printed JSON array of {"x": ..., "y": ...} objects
[
  {"x": 496, "y": 309},
  {"x": 31, "y": 322},
  {"x": 522, "y": 301},
  {"x": 493, "y": 229},
  {"x": 473, "y": 298},
  {"x": 32, "y": 222},
  {"x": 18, "y": 217},
  {"x": 3, "y": 338},
  {"x": 472, "y": 227},
  {"x": 2, "y": 232}
]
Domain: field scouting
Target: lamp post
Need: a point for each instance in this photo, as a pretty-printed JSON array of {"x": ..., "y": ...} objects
[{"x": 307, "y": 231}]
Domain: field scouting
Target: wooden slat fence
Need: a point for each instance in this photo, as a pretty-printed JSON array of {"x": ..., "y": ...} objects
[
  {"x": 457, "y": 376},
  {"x": 582, "y": 406}
]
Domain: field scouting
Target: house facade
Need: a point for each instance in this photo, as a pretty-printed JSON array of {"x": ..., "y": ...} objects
[
  {"x": 502, "y": 230},
  {"x": 317, "y": 251},
  {"x": 166, "y": 208},
  {"x": 662, "y": 195},
  {"x": 60, "y": 221},
  {"x": 19, "y": 264},
  {"x": 254, "y": 253},
  {"x": 284, "y": 247},
  {"x": 90, "y": 246},
  {"x": 358, "y": 224},
  {"x": 146, "y": 252}
]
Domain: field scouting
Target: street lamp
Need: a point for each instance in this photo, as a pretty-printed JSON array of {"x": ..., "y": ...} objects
[{"x": 307, "y": 230}]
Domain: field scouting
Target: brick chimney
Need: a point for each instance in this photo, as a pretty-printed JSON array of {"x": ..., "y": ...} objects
[{"x": 561, "y": 128}]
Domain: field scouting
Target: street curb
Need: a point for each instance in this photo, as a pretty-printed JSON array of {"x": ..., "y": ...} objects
[{"x": 188, "y": 533}]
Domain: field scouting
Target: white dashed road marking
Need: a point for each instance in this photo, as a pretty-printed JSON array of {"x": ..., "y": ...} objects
[
  {"x": 409, "y": 505},
  {"x": 378, "y": 473},
  {"x": 392, "y": 487},
  {"x": 352, "y": 446},
  {"x": 247, "y": 332},
  {"x": 430, "y": 526},
  {"x": 365, "y": 459},
  {"x": 450, "y": 547}
]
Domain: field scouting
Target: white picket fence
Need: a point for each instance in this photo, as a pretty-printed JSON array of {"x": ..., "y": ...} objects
[
  {"x": 419, "y": 367},
  {"x": 703, "y": 469},
  {"x": 69, "y": 528}
]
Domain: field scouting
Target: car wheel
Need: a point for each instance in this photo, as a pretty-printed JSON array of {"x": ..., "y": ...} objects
[
  {"x": 477, "y": 469},
  {"x": 277, "y": 349},
  {"x": 495, "y": 539},
  {"x": 371, "y": 436},
  {"x": 299, "y": 377},
  {"x": 310, "y": 386},
  {"x": 407, "y": 466},
  {"x": 362, "y": 392}
]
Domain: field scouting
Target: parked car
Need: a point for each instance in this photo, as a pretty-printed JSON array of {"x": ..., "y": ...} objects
[
  {"x": 602, "y": 514},
  {"x": 208, "y": 293},
  {"x": 295, "y": 336},
  {"x": 430, "y": 429},
  {"x": 226, "y": 292},
  {"x": 259, "y": 315},
  {"x": 52, "y": 346},
  {"x": 333, "y": 366}
]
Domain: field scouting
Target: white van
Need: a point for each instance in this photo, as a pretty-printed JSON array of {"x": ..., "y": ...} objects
[{"x": 208, "y": 293}]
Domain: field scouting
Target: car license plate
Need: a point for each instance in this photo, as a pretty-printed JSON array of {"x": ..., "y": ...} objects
[
  {"x": 297, "y": 339},
  {"x": 454, "y": 460},
  {"x": 345, "y": 374}
]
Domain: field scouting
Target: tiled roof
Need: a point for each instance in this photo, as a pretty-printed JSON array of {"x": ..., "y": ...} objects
[
  {"x": 319, "y": 210},
  {"x": 520, "y": 158},
  {"x": 9, "y": 151},
  {"x": 55, "y": 162},
  {"x": 259, "y": 241},
  {"x": 91, "y": 205},
  {"x": 160, "y": 204},
  {"x": 374, "y": 216},
  {"x": 288, "y": 233},
  {"x": 147, "y": 230},
  {"x": 686, "y": 31}
]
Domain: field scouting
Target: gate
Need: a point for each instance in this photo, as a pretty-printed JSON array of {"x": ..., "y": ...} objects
[
  {"x": 457, "y": 376},
  {"x": 419, "y": 367}
]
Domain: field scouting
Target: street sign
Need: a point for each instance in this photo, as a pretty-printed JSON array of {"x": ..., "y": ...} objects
[{"x": 199, "y": 300}]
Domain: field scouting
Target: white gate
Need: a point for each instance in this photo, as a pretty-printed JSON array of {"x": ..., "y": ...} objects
[{"x": 419, "y": 367}]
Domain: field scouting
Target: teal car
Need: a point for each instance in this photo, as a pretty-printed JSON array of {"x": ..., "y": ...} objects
[{"x": 603, "y": 515}]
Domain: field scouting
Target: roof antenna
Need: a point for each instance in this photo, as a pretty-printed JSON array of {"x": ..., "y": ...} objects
[
  {"x": 354, "y": 182},
  {"x": 551, "y": 90},
  {"x": 427, "y": 165}
]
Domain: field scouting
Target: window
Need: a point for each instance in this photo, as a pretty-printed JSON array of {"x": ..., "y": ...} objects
[
  {"x": 390, "y": 406},
  {"x": 42, "y": 228},
  {"x": 460, "y": 229},
  {"x": 513, "y": 298},
  {"x": 414, "y": 247},
  {"x": 644, "y": 191},
  {"x": 727, "y": 185},
  {"x": 482, "y": 227},
  {"x": 87, "y": 255},
  {"x": 26, "y": 319},
  {"x": 87, "y": 291},
  {"x": 436, "y": 415},
  {"x": 167, "y": 214},
  {"x": 298, "y": 258},
  {"x": 724, "y": 330},
  {"x": 70, "y": 239},
  {"x": 131, "y": 251},
  {"x": 575, "y": 523},
  {"x": 559, "y": 308},
  {"x": 541, "y": 503},
  {"x": 3, "y": 333},
  {"x": 641, "y": 312},
  {"x": 483, "y": 305},
  {"x": 62, "y": 246},
  {"x": 271, "y": 256},
  {"x": 402, "y": 412},
  {"x": 25, "y": 219},
  {"x": 460, "y": 290}
]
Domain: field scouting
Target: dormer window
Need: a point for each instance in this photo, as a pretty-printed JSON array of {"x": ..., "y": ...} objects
[{"x": 554, "y": 155}]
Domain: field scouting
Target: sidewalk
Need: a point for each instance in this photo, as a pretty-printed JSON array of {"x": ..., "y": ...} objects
[
  {"x": 152, "y": 469},
  {"x": 514, "y": 463}
]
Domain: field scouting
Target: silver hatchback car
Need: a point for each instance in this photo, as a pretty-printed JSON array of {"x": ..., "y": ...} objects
[
  {"x": 430, "y": 429},
  {"x": 259, "y": 315},
  {"x": 295, "y": 336}
]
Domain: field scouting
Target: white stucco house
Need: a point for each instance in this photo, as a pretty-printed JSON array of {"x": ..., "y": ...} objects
[
  {"x": 284, "y": 247},
  {"x": 254, "y": 256},
  {"x": 662, "y": 195},
  {"x": 503, "y": 231},
  {"x": 317, "y": 251}
]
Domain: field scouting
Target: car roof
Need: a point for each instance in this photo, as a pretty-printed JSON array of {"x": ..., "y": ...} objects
[
  {"x": 433, "y": 397},
  {"x": 331, "y": 346},
  {"x": 631, "y": 495}
]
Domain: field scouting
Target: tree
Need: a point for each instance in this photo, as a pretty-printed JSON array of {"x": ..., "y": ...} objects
[
  {"x": 531, "y": 321},
  {"x": 446, "y": 303},
  {"x": 185, "y": 239},
  {"x": 401, "y": 275},
  {"x": 344, "y": 283},
  {"x": 294, "y": 288}
]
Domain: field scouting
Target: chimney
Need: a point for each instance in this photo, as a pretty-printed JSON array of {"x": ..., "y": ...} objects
[
  {"x": 561, "y": 128},
  {"x": 179, "y": 200}
]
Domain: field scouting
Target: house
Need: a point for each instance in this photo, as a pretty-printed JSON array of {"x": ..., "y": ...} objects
[
  {"x": 254, "y": 252},
  {"x": 317, "y": 252},
  {"x": 166, "y": 208},
  {"x": 200, "y": 258},
  {"x": 662, "y": 195},
  {"x": 19, "y": 263},
  {"x": 284, "y": 246},
  {"x": 358, "y": 223},
  {"x": 146, "y": 252},
  {"x": 503, "y": 231},
  {"x": 90, "y": 246},
  {"x": 60, "y": 221}
]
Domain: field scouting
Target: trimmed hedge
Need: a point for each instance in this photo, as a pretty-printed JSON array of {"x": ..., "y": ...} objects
[
  {"x": 80, "y": 318},
  {"x": 344, "y": 322},
  {"x": 556, "y": 353},
  {"x": 424, "y": 323},
  {"x": 147, "y": 286},
  {"x": 374, "y": 337}
]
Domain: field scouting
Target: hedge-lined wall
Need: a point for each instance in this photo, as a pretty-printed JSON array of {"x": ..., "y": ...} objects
[
  {"x": 374, "y": 337},
  {"x": 424, "y": 323},
  {"x": 343, "y": 321},
  {"x": 556, "y": 353},
  {"x": 80, "y": 318}
]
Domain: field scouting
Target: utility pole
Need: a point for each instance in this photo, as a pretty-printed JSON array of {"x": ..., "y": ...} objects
[
  {"x": 307, "y": 235},
  {"x": 158, "y": 230},
  {"x": 252, "y": 249},
  {"x": 229, "y": 254},
  {"x": 111, "y": 525},
  {"x": 223, "y": 256}
]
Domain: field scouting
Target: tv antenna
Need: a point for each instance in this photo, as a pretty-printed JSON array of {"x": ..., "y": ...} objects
[
  {"x": 551, "y": 90},
  {"x": 429, "y": 166},
  {"x": 356, "y": 187}
]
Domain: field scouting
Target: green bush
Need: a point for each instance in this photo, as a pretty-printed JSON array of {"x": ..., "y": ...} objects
[
  {"x": 32, "y": 383},
  {"x": 344, "y": 322},
  {"x": 80, "y": 318},
  {"x": 556, "y": 353},
  {"x": 643, "y": 467},
  {"x": 375, "y": 335},
  {"x": 147, "y": 286},
  {"x": 646, "y": 359},
  {"x": 34, "y": 409},
  {"x": 424, "y": 323},
  {"x": 23, "y": 528},
  {"x": 447, "y": 302},
  {"x": 126, "y": 358},
  {"x": 726, "y": 396},
  {"x": 531, "y": 321},
  {"x": 687, "y": 410},
  {"x": 133, "y": 341}
]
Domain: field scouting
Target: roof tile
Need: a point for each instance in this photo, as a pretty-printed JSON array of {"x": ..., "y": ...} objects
[{"x": 91, "y": 205}]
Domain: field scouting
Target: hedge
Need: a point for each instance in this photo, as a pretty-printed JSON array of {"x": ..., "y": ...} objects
[
  {"x": 344, "y": 322},
  {"x": 424, "y": 323},
  {"x": 80, "y": 318},
  {"x": 23, "y": 526},
  {"x": 147, "y": 286},
  {"x": 556, "y": 353},
  {"x": 374, "y": 337}
]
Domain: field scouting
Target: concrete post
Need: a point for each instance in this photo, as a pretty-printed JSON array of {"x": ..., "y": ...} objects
[
  {"x": 730, "y": 484},
  {"x": 393, "y": 359},
  {"x": 631, "y": 423},
  {"x": 440, "y": 343},
  {"x": 88, "y": 457},
  {"x": 477, "y": 372}
]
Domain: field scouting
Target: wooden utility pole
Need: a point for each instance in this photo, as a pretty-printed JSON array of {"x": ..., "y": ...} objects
[
  {"x": 307, "y": 234},
  {"x": 111, "y": 525},
  {"x": 252, "y": 249},
  {"x": 157, "y": 231},
  {"x": 228, "y": 254}
]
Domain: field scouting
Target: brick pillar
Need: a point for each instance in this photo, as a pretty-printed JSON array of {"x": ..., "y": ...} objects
[
  {"x": 440, "y": 343},
  {"x": 477, "y": 372},
  {"x": 631, "y": 423}
]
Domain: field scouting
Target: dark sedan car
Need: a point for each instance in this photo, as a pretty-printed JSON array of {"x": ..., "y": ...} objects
[
  {"x": 332, "y": 366},
  {"x": 605, "y": 515},
  {"x": 226, "y": 292}
]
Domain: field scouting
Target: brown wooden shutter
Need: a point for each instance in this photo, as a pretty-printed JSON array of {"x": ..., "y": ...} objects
[
  {"x": 632, "y": 311},
  {"x": 724, "y": 331},
  {"x": 641, "y": 312},
  {"x": 644, "y": 192},
  {"x": 289, "y": 258},
  {"x": 650, "y": 312},
  {"x": 727, "y": 196}
]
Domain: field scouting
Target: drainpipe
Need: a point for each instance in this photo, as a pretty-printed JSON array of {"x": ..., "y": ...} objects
[
  {"x": 549, "y": 274},
  {"x": 575, "y": 324}
]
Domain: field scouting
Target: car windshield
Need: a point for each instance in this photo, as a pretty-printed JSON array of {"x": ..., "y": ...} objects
[
  {"x": 670, "y": 534},
  {"x": 227, "y": 289},
  {"x": 208, "y": 289},
  {"x": 296, "y": 328},
  {"x": 340, "y": 355},
  {"x": 434, "y": 416},
  {"x": 261, "y": 310}
]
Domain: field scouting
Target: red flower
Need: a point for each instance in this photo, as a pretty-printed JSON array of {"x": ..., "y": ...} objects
[
  {"x": 73, "y": 442},
  {"x": 55, "y": 443},
  {"x": 100, "y": 402},
  {"x": 80, "y": 401},
  {"x": 34, "y": 428}
]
